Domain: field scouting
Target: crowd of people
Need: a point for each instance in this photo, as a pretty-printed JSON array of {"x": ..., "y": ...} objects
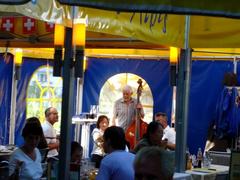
[{"x": 151, "y": 157}]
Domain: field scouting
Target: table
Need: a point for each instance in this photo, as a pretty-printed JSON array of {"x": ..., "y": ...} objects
[
  {"x": 212, "y": 173},
  {"x": 182, "y": 176},
  {"x": 5, "y": 152},
  {"x": 83, "y": 126}
]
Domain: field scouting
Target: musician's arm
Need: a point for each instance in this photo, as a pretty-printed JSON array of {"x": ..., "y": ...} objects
[
  {"x": 96, "y": 135},
  {"x": 53, "y": 145},
  {"x": 113, "y": 121},
  {"x": 171, "y": 146}
]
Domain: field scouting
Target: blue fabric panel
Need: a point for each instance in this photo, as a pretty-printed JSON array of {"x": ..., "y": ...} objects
[
  {"x": 155, "y": 73},
  {"x": 28, "y": 67},
  {"x": 238, "y": 73},
  {"x": 5, "y": 97},
  {"x": 205, "y": 88}
]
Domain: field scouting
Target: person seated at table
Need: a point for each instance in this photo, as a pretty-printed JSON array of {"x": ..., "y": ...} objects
[
  {"x": 51, "y": 115},
  {"x": 42, "y": 143},
  {"x": 153, "y": 137},
  {"x": 154, "y": 163},
  {"x": 25, "y": 161},
  {"x": 97, "y": 134},
  {"x": 168, "y": 133},
  {"x": 76, "y": 152},
  {"x": 118, "y": 164}
]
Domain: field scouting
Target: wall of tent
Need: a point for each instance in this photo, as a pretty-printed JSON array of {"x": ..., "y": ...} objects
[{"x": 37, "y": 89}]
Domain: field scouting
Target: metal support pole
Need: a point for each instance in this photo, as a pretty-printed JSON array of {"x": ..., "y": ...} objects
[
  {"x": 79, "y": 98},
  {"x": 183, "y": 83},
  {"x": 67, "y": 109},
  {"x": 13, "y": 107}
]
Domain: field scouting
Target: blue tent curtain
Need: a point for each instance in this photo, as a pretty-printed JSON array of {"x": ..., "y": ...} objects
[
  {"x": 206, "y": 86},
  {"x": 155, "y": 73},
  {"x": 6, "y": 67},
  {"x": 28, "y": 67}
]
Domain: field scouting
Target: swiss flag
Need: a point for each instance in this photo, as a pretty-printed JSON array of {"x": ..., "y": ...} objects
[
  {"x": 7, "y": 24},
  {"x": 29, "y": 25},
  {"x": 49, "y": 27}
]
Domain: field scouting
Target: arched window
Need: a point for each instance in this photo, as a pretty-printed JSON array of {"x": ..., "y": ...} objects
[
  {"x": 44, "y": 91},
  {"x": 112, "y": 90}
]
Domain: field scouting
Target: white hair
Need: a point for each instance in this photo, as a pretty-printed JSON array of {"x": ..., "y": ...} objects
[{"x": 127, "y": 88}]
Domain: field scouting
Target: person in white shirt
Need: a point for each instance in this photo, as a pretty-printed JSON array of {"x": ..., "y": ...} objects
[
  {"x": 97, "y": 134},
  {"x": 51, "y": 116},
  {"x": 25, "y": 161},
  {"x": 169, "y": 134}
]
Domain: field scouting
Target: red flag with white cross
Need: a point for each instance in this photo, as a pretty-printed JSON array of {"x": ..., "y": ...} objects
[
  {"x": 29, "y": 25},
  {"x": 49, "y": 27},
  {"x": 7, "y": 24}
]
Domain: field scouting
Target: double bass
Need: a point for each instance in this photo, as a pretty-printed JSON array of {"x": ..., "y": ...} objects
[{"x": 138, "y": 127}]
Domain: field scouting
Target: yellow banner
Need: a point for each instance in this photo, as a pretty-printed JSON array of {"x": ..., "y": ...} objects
[
  {"x": 165, "y": 29},
  {"x": 157, "y": 28}
]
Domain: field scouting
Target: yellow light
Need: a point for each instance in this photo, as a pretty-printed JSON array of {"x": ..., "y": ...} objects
[
  {"x": 79, "y": 33},
  {"x": 59, "y": 34},
  {"x": 18, "y": 57},
  {"x": 173, "y": 55},
  {"x": 84, "y": 63}
]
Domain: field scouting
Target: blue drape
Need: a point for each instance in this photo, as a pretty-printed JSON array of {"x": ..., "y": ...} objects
[
  {"x": 5, "y": 97},
  {"x": 28, "y": 67},
  {"x": 155, "y": 73},
  {"x": 206, "y": 86}
]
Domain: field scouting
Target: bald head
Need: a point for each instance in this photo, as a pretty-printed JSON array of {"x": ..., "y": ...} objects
[{"x": 51, "y": 115}]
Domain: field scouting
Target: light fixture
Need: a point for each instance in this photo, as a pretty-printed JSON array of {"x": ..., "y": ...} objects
[
  {"x": 78, "y": 41},
  {"x": 18, "y": 63},
  {"x": 18, "y": 57},
  {"x": 59, "y": 36},
  {"x": 79, "y": 33},
  {"x": 174, "y": 54}
]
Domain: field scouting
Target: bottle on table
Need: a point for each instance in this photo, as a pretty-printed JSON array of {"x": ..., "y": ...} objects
[
  {"x": 188, "y": 160},
  {"x": 199, "y": 157}
]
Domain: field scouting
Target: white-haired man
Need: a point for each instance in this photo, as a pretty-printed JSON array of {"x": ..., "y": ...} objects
[
  {"x": 124, "y": 110},
  {"x": 51, "y": 115}
]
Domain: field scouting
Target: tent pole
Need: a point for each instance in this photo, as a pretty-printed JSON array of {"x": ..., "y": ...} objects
[
  {"x": 67, "y": 108},
  {"x": 183, "y": 83},
  {"x": 79, "y": 98},
  {"x": 13, "y": 107}
]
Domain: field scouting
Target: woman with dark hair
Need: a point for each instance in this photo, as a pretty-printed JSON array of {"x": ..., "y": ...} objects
[
  {"x": 97, "y": 134},
  {"x": 42, "y": 143},
  {"x": 153, "y": 137},
  {"x": 25, "y": 162}
]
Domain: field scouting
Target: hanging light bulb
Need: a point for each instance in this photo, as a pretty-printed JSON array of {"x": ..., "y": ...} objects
[
  {"x": 59, "y": 36},
  {"x": 173, "y": 58},
  {"x": 18, "y": 62},
  {"x": 78, "y": 41}
]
